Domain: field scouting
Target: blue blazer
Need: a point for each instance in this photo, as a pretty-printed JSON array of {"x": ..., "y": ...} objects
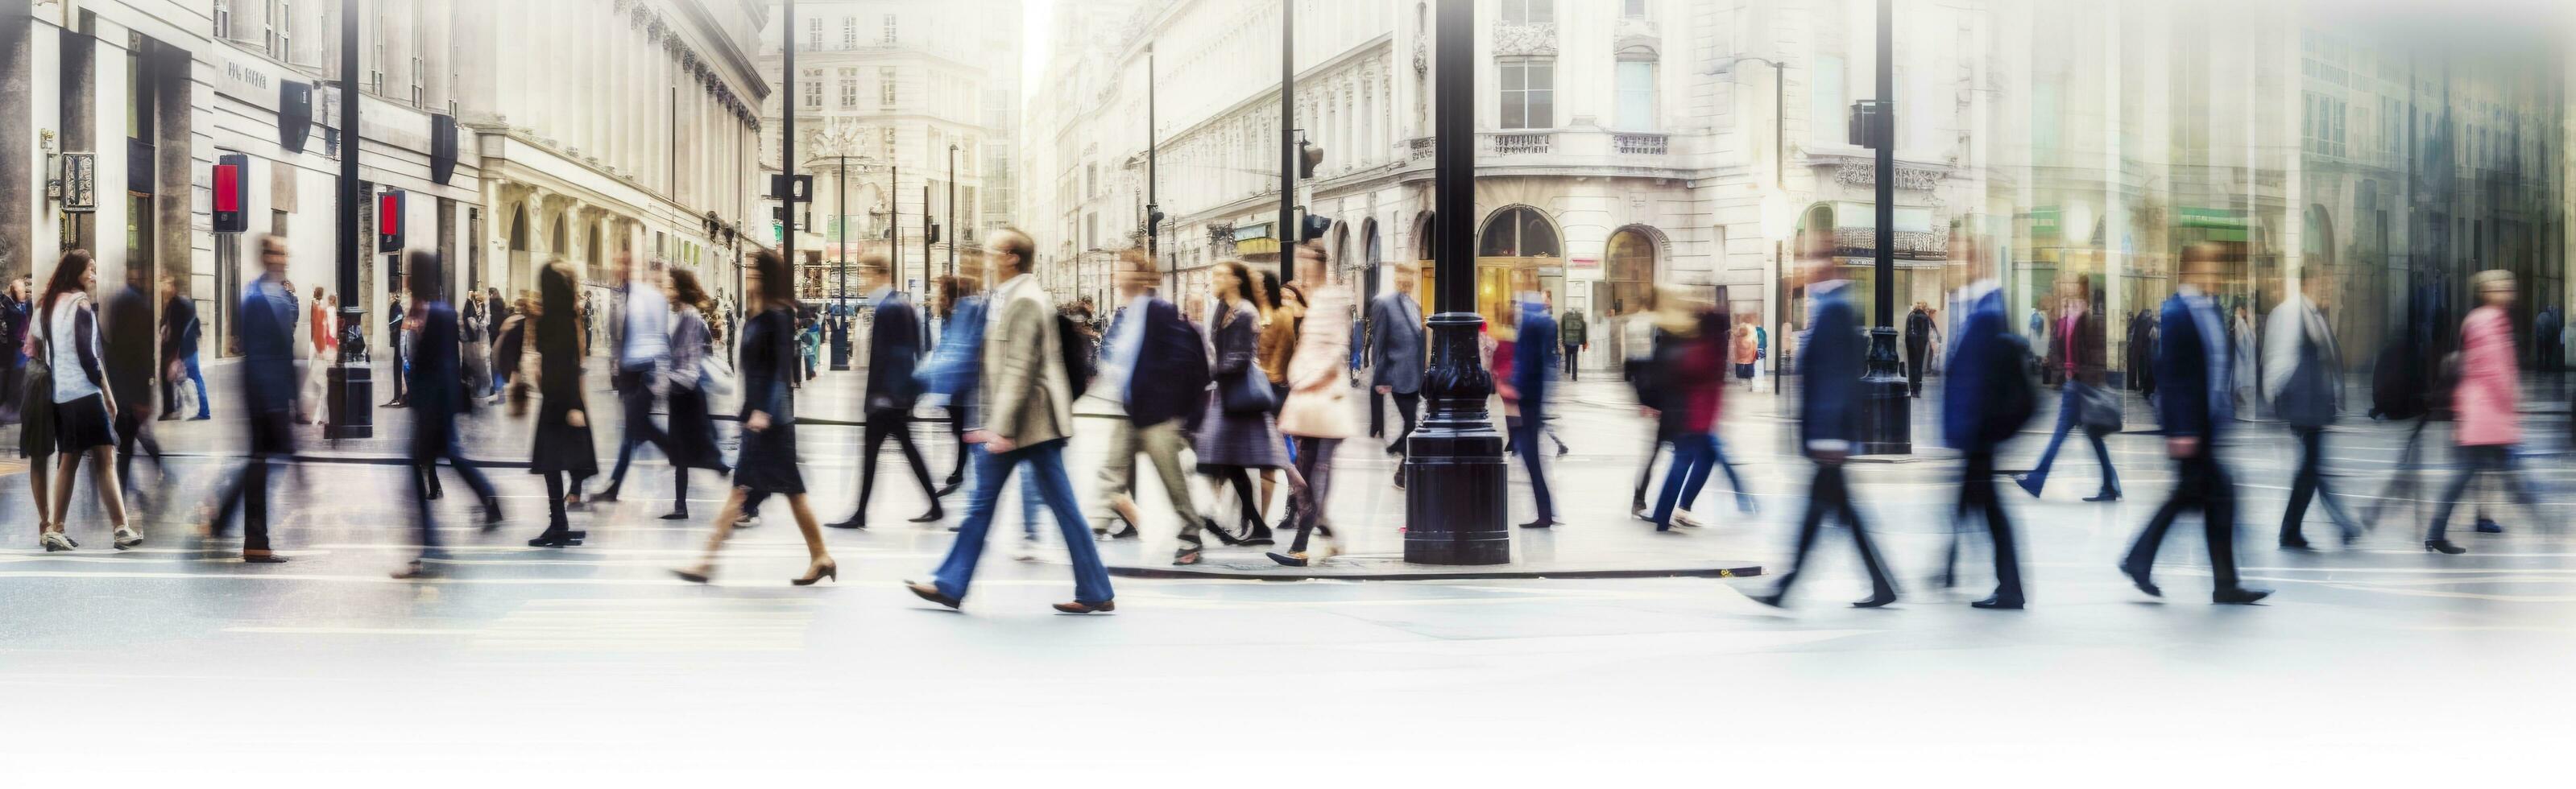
[
  {"x": 894, "y": 353},
  {"x": 1833, "y": 360},
  {"x": 2187, "y": 391},
  {"x": 267, "y": 330},
  {"x": 958, "y": 361},
  {"x": 1972, "y": 387},
  {"x": 1170, "y": 378},
  {"x": 1534, "y": 359}
]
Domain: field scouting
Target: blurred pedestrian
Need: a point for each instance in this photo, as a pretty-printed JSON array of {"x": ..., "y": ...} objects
[
  {"x": 509, "y": 349},
  {"x": 1026, "y": 420},
  {"x": 396, "y": 318},
  {"x": 1986, "y": 397},
  {"x": 766, "y": 464},
  {"x": 1317, "y": 412},
  {"x": 473, "y": 326},
  {"x": 2194, "y": 370},
  {"x": 438, "y": 397},
  {"x": 1396, "y": 356},
  {"x": 134, "y": 353},
  {"x": 33, "y": 406},
  {"x": 687, "y": 384},
  {"x": 82, "y": 407},
  {"x": 1283, "y": 310},
  {"x": 1573, "y": 336},
  {"x": 1830, "y": 422},
  {"x": 1525, "y": 403},
  {"x": 640, "y": 333},
  {"x": 494, "y": 324},
  {"x": 891, "y": 391},
  {"x": 2303, "y": 377},
  {"x": 2075, "y": 352},
  {"x": 325, "y": 351},
  {"x": 180, "y": 334},
  {"x": 1238, "y": 433},
  {"x": 1153, "y": 372},
  {"x": 265, "y": 325},
  {"x": 2486, "y": 404},
  {"x": 13, "y": 340},
  {"x": 1747, "y": 355},
  {"x": 955, "y": 371},
  {"x": 2549, "y": 351},
  {"x": 1693, "y": 378},
  {"x": 561, "y": 450},
  {"x": 1921, "y": 336}
]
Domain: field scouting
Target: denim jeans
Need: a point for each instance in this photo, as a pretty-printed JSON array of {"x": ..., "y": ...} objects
[
  {"x": 1694, "y": 455},
  {"x": 1525, "y": 440},
  {"x": 1045, "y": 462},
  {"x": 2069, "y": 404}
]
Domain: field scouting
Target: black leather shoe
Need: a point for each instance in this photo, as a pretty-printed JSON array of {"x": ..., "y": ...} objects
[
  {"x": 2489, "y": 527},
  {"x": 930, "y": 593},
  {"x": 1998, "y": 603},
  {"x": 1877, "y": 599},
  {"x": 1287, "y": 559},
  {"x": 2444, "y": 546},
  {"x": 2104, "y": 497},
  {"x": 1773, "y": 599},
  {"x": 852, "y": 522},
  {"x": 2138, "y": 576},
  {"x": 1541, "y": 523},
  {"x": 1208, "y": 525},
  {"x": 2295, "y": 544},
  {"x": 949, "y": 488},
  {"x": 935, "y": 515},
  {"x": 676, "y": 515},
  {"x": 2238, "y": 596}
]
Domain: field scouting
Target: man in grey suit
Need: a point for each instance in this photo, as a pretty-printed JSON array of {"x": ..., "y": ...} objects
[{"x": 1395, "y": 352}]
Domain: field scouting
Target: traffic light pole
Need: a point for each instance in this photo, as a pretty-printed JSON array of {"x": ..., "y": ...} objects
[
  {"x": 1287, "y": 135},
  {"x": 1153, "y": 202},
  {"x": 841, "y": 232},
  {"x": 787, "y": 132},
  {"x": 1455, "y": 510},
  {"x": 351, "y": 391}
]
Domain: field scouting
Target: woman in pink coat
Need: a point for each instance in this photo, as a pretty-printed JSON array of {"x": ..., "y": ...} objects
[
  {"x": 2484, "y": 405},
  {"x": 1317, "y": 413}
]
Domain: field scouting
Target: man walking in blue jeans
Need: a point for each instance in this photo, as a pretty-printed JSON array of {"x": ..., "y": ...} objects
[
  {"x": 2075, "y": 349},
  {"x": 1025, "y": 419},
  {"x": 180, "y": 333}
]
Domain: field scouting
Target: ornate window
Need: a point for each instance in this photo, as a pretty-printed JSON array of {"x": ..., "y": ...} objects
[{"x": 1529, "y": 93}]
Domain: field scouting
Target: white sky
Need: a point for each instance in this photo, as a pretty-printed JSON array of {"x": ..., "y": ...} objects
[{"x": 1036, "y": 43}]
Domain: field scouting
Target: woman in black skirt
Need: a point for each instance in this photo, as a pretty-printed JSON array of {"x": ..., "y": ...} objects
[
  {"x": 563, "y": 450},
  {"x": 84, "y": 411},
  {"x": 693, "y": 432},
  {"x": 767, "y": 464}
]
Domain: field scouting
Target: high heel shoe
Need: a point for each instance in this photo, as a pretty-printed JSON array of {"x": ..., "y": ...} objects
[
  {"x": 696, "y": 575},
  {"x": 827, "y": 569},
  {"x": 1208, "y": 525}
]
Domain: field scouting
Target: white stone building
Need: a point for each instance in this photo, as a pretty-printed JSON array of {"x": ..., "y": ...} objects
[
  {"x": 581, "y": 128},
  {"x": 898, "y": 106}
]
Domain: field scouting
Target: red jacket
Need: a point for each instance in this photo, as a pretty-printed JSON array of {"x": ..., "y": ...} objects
[{"x": 1699, "y": 376}]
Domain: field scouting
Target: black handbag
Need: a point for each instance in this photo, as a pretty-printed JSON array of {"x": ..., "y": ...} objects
[{"x": 1247, "y": 392}]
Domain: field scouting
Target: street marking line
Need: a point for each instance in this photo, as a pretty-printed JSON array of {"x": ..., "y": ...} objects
[{"x": 328, "y": 630}]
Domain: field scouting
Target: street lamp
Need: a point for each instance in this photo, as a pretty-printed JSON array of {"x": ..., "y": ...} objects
[{"x": 835, "y": 142}]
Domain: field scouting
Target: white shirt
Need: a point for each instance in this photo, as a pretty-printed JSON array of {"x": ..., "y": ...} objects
[
  {"x": 648, "y": 326},
  {"x": 1119, "y": 351},
  {"x": 62, "y": 346}
]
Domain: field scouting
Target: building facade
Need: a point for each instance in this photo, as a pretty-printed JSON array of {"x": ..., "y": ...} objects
[
  {"x": 905, "y": 115},
  {"x": 595, "y": 127},
  {"x": 1626, "y": 144}
]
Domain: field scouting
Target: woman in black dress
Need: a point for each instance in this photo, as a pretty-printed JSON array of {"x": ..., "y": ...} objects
[
  {"x": 563, "y": 450},
  {"x": 770, "y": 365},
  {"x": 693, "y": 432}
]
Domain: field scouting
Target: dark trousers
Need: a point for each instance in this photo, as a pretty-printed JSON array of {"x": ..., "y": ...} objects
[
  {"x": 1245, "y": 494},
  {"x": 882, "y": 426},
  {"x": 1407, "y": 405},
  {"x": 1695, "y": 454},
  {"x": 1573, "y": 353},
  {"x": 1646, "y": 472},
  {"x": 1377, "y": 413},
  {"x": 1525, "y": 430},
  {"x": 957, "y": 435},
  {"x": 635, "y": 398},
  {"x": 1916, "y": 357},
  {"x": 1830, "y": 495},
  {"x": 2310, "y": 482},
  {"x": 427, "y": 480},
  {"x": 2200, "y": 483},
  {"x": 2491, "y": 459},
  {"x": 560, "y": 483},
  {"x": 130, "y": 434},
  {"x": 1977, "y": 494},
  {"x": 1315, "y": 463},
  {"x": 247, "y": 491}
]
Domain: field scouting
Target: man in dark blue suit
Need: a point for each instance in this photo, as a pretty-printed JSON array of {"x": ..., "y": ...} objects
[
  {"x": 266, "y": 328},
  {"x": 437, "y": 397},
  {"x": 1533, "y": 363},
  {"x": 1985, "y": 399},
  {"x": 2196, "y": 404},
  {"x": 1153, "y": 369},
  {"x": 1832, "y": 358},
  {"x": 894, "y": 351}
]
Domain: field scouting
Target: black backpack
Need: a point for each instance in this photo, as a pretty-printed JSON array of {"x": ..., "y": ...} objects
[
  {"x": 2016, "y": 396},
  {"x": 1075, "y": 347}
]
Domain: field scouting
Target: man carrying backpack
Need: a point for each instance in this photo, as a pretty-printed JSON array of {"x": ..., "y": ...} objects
[{"x": 1986, "y": 398}]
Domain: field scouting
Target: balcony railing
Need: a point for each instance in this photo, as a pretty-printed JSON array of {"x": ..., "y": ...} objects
[
  {"x": 1508, "y": 144},
  {"x": 1645, "y": 144}
]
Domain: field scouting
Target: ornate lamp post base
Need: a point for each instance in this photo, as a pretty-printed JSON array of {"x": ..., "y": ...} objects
[
  {"x": 1456, "y": 486},
  {"x": 350, "y": 395},
  {"x": 1887, "y": 416}
]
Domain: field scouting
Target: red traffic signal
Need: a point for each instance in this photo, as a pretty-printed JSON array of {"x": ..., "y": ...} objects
[
  {"x": 389, "y": 224},
  {"x": 232, "y": 193}
]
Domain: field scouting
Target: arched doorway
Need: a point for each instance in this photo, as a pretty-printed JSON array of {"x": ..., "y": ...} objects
[
  {"x": 1426, "y": 256},
  {"x": 1510, "y": 248},
  {"x": 1368, "y": 264},
  {"x": 1628, "y": 270},
  {"x": 519, "y": 254},
  {"x": 593, "y": 252}
]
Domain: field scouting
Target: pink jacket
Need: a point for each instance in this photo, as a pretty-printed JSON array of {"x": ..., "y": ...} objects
[{"x": 2489, "y": 382}]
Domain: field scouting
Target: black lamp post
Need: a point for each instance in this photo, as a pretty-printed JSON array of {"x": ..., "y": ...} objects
[
  {"x": 1888, "y": 418},
  {"x": 351, "y": 393},
  {"x": 1455, "y": 505}
]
